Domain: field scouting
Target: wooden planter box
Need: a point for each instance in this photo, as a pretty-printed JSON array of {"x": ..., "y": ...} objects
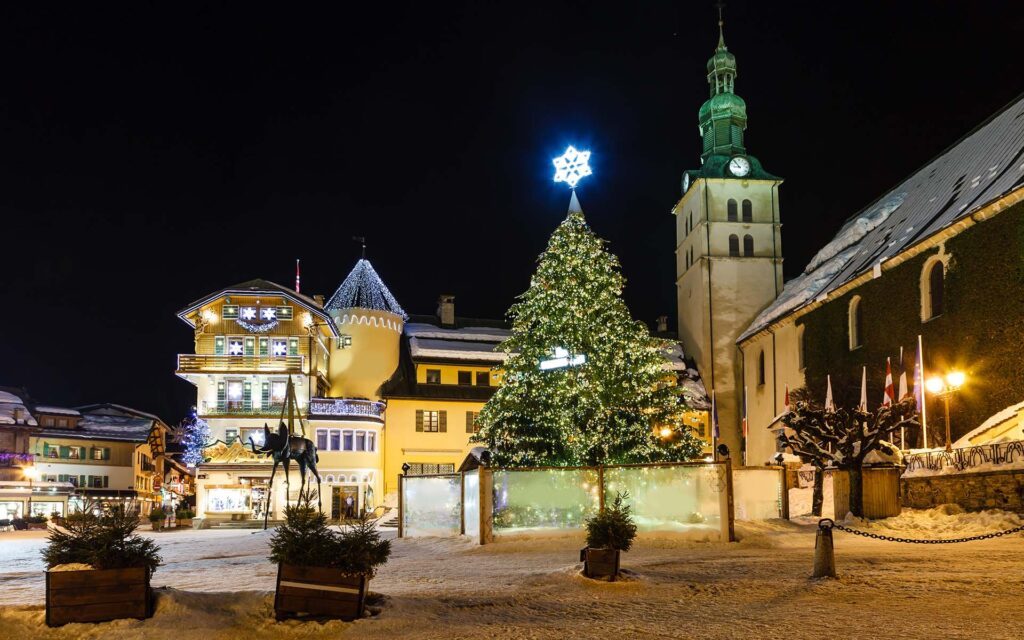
[
  {"x": 600, "y": 563},
  {"x": 318, "y": 592},
  {"x": 184, "y": 522},
  {"x": 881, "y": 487},
  {"x": 97, "y": 595}
]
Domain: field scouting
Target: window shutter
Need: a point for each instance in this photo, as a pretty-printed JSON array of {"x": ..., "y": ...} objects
[
  {"x": 218, "y": 345},
  {"x": 250, "y": 346},
  {"x": 293, "y": 346},
  {"x": 46, "y": 450},
  {"x": 106, "y": 453},
  {"x": 264, "y": 346},
  {"x": 442, "y": 421},
  {"x": 106, "y": 480},
  {"x": 64, "y": 451},
  {"x": 469, "y": 422},
  {"x": 247, "y": 395},
  {"x": 419, "y": 419},
  {"x": 222, "y": 395},
  {"x": 265, "y": 396}
]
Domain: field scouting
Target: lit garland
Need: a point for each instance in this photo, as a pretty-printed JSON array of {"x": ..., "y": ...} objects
[
  {"x": 601, "y": 411},
  {"x": 9, "y": 457},
  {"x": 257, "y": 327}
]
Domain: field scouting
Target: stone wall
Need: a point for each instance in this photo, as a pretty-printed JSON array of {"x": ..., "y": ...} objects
[{"x": 972, "y": 491}]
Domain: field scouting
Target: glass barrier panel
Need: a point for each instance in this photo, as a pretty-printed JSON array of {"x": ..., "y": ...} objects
[
  {"x": 680, "y": 499},
  {"x": 431, "y": 506},
  {"x": 757, "y": 493},
  {"x": 471, "y": 503},
  {"x": 544, "y": 499}
]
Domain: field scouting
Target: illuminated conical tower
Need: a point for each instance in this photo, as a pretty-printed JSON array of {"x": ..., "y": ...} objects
[{"x": 369, "y": 322}]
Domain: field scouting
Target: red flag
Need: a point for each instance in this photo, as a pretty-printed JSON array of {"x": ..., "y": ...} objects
[{"x": 890, "y": 391}]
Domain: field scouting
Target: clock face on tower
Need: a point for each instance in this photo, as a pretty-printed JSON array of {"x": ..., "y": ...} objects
[
  {"x": 739, "y": 166},
  {"x": 686, "y": 182}
]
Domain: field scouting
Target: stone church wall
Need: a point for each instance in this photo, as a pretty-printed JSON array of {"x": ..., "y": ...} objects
[{"x": 972, "y": 491}]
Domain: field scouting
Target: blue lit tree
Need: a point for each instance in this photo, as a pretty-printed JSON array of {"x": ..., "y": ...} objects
[{"x": 193, "y": 433}]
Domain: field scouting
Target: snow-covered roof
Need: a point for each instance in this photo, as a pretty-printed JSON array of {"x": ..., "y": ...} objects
[
  {"x": 11, "y": 404},
  {"x": 363, "y": 289},
  {"x": 425, "y": 348},
  {"x": 103, "y": 427},
  {"x": 999, "y": 419},
  {"x": 486, "y": 334},
  {"x": 64, "y": 411},
  {"x": 983, "y": 166}
]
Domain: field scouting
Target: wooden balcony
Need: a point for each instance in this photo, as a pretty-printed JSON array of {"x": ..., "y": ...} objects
[{"x": 209, "y": 363}]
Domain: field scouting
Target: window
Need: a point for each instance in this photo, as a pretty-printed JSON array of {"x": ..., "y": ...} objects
[
  {"x": 371, "y": 441},
  {"x": 346, "y": 440},
  {"x": 53, "y": 452},
  {"x": 278, "y": 391},
  {"x": 101, "y": 453},
  {"x": 235, "y": 347},
  {"x": 235, "y": 394},
  {"x": 760, "y": 368},
  {"x": 335, "y": 440},
  {"x": 250, "y": 346},
  {"x": 255, "y": 433},
  {"x": 472, "y": 421},
  {"x": 431, "y": 421},
  {"x": 748, "y": 211},
  {"x": 360, "y": 441},
  {"x": 731, "y": 208},
  {"x": 321, "y": 439},
  {"x": 483, "y": 378},
  {"x": 344, "y": 341},
  {"x": 218, "y": 345},
  {"x": 293, "y": 346},
  {"x": 465, "y": 377},
  {"x": 433, "y": 376},
  {"x": 62, "y": 422},
  {"x": 75, "y": 453},
  {"x": 748, "y": 245},
  {"x": 734, "y": 245},
  {"x": 429, "y": 469},
  {"x": 264, "y": 346},
  {"x": 279, "y": 347},
  {"x": 230, "y": 435},
  {"x": 329, "y": 479},
  {"x": 932, "y": 289},
  {"x": 856, "y": 324}
]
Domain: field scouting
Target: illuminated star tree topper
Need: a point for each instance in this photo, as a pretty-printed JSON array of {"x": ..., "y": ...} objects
[{"x": 572, "y": 166}]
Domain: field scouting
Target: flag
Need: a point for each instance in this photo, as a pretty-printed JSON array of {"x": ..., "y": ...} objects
[
  {"x": 745, "y": 423},
  {"x": 297, "y": 275},
  {"x": 903, "y": 377},
  {"x": 787, "y": 398},
  {"x": 715, "y": 431},
  {"x": 863, "y": 389},
  {"x": 829, "y": 404},
  {"x": 890, "y": 392}
]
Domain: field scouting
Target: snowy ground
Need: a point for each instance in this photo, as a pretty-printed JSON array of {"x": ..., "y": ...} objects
[{"x": 219, "y": 586}]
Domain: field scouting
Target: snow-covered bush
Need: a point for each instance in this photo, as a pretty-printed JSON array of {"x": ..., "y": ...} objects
[
  {"x": 103, "y": 540},
  {"x": 612, "y": 527}
]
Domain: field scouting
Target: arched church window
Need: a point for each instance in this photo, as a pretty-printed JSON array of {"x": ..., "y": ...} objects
[
  {"x": 731, "y": 210},
  {"x": 734, "y": 245},
  {"x": 760, "y": 367},
  {"x": 933, "y": 289},
  {"x": 748, "y": 211},
  {"x": 748, "y": 245},
  {"x": 856, "y": 323}
]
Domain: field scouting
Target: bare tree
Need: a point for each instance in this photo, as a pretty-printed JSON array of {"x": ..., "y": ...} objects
[{"x": 843, "y": 438}]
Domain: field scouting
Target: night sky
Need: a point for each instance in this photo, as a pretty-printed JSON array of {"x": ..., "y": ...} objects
[{"x": 156, "y": 152}]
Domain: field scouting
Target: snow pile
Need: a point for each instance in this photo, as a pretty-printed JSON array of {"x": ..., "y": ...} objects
[
  {"x": 72, "y": 566},
  {"x": 944, "y": 521}
]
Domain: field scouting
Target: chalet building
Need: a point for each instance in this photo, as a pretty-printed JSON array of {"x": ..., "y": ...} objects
[{"x": 940, "y": 256}]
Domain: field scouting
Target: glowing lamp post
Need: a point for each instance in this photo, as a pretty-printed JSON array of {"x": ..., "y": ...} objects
[
  {"x": 31, "y": 474},
  {"x": 945, "y": 388}
]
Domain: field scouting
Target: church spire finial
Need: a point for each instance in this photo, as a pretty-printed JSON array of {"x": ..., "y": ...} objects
[{"x": 721, "y": 22}]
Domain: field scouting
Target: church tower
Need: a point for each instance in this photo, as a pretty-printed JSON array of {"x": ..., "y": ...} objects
[{"x": 728, "y": 246}]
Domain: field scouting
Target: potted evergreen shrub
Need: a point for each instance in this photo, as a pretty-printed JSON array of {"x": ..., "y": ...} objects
[
  {"x": 98, "y": 568},
  {"x": 184, "y": 517},
  {"x": 36, "y": 522},
  {"x": 609, "y": 532},
  {"x": 321, "y": 572},
  {"x": 157, "y": 517}
]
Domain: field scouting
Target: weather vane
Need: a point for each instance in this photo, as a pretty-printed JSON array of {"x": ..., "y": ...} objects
[{"x": 571, "y": 166}]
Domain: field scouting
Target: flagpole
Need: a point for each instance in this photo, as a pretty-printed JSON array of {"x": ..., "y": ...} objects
[
  {"x": 924, "y": 412},
  {"x": 902, "y": 391},
  {"x": 714, "y": 428}
]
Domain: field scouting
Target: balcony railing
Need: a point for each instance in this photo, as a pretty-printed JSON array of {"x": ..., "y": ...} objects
[
  {"x": 240, "y": 411},
  {"x": 210, "y": 363},
  {"x": 346, "y": 408}
]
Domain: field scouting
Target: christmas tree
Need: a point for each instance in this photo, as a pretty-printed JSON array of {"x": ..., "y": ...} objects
[
  {"x": 194, "y": 434},
  {"x": 584, "y": 383}
]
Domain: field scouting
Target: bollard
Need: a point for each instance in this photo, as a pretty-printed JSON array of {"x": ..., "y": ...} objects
[{"x": 824, "y": 554}]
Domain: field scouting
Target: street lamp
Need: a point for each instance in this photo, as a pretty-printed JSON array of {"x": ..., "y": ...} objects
[
  {"x": 945, "y": 388},
  {"x": 31, "y": 473}
]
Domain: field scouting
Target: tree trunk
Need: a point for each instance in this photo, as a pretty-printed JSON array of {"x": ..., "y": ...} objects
[
  {"x": 856, "y": 474},
  {"x": 818, "y": 496}
]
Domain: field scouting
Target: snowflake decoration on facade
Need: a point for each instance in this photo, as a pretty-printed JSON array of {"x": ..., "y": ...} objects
[
  {"x": 572, "y": 166},
  {"x": 268, "y": 313},
  {"x": 235, "y": 348},
  {"x": 252, "y": 327},
  {"x": 247, "y": 313}
]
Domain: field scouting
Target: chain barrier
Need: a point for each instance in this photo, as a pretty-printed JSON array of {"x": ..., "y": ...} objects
[{"x": 828, "y": 523}]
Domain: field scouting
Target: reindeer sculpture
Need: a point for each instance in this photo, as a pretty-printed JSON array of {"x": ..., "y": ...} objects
[{"x": 284, "y": 448}]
